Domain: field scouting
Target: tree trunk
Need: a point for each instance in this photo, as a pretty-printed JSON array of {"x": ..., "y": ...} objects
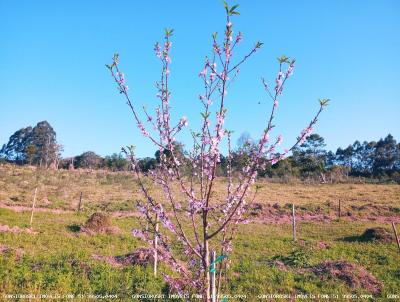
[{"x": 206, "y": 264}]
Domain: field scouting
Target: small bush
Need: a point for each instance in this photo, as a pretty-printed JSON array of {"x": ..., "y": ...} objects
[{"x": 297, "y": 258}]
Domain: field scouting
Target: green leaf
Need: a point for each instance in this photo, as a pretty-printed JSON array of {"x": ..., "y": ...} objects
[
  {"x": 258, "y": 187},
  {"x": 168, "y": 32},
  {"x": 205, "y": 115},
  {"x": 283, "y": 59},
  {"x": 226, "y": 7},
  {"x": 324, "y": 102},
  {"x": 232, "y": 10},
  {"x": 259, "y": 44}
]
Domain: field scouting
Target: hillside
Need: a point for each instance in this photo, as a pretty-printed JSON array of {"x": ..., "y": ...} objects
[{"x": 330, "y": 256}]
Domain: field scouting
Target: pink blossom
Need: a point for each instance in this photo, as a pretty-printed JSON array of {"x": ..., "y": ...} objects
[
  {"x": 143, "y": 130},
  {"x": 239, "y": 37},
  {"x": 224, "y": 76},
  {"x": 220, "y": 119},
  {"x": 264, "y": 139},
  {"x": 138, "y": 234},
  {"x": 203, "y": 72},
  {"x": 184, "y": 121},
  {"x": 279, "y": 82},
  {"x": 120, "y": 77},
  {"x": 279, "y": 140},
  {"x": 141, "y": 209},
  {"x": 216, "y": 48},
  {"x": 157, "y": 50},
  {"x": 167, "y": 44},
  {"x": 305, "y": 133},
  {"x": 195, "y": 205},
  {"x": 227, "y": 53},
  {"x": 290, "y": 70}
]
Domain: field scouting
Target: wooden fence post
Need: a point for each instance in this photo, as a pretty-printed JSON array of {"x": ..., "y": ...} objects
[
  {"x": 213, "y": 279},
  {"x": 340, "y": 209},
  {"x": 80, "y": 203},
  {"x": 33, "y": 206},
  {"x": 395, "y": 234},
  {"x": 294, "y": 223},
  {"x": 155, "y": 243}
]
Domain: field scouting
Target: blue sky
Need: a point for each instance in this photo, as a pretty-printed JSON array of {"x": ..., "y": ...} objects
[{"x": 52, "y": 56}]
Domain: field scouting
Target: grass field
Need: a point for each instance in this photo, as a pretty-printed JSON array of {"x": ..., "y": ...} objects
[{"x": 55, "y": 258}]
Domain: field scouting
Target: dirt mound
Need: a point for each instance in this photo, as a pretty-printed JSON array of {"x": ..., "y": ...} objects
[
  {"x": 141, "y": 256},
  {"x": 18, "y": 252},
  {"x": 99, "y": 223},
  {"x": 322, "y": 245},
  {"x": 15, "y": 229},
  {"x": 256, "y": 208},
  {"x": 4, "y": 249},
  {"x": 279, "y": 265},
  {"x": 352, "y": 274},
  {"x": 377, "y": 234}
]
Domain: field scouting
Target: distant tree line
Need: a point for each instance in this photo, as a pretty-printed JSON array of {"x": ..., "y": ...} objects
[
  {"x": 379, "y": 160},
  {"x": 33, "y": 146},
  {"x": 309, "y": 161}
]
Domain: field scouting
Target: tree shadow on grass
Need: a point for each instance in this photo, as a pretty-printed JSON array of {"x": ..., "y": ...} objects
[
  {"x": 377, "y": 235},
  {"x": 75, "y": 228},
  {"x": 352, "y": 239}
]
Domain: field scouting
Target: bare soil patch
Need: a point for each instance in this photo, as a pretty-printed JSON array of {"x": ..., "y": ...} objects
[
  {"x": 353, "y": 275},
  {"x": 141, "y": 256},
  {"x": 274, "y": 213},
  {"x": 15, "y": 229}
]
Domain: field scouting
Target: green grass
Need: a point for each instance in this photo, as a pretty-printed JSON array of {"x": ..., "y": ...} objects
[{"x": 57, "y": 259}]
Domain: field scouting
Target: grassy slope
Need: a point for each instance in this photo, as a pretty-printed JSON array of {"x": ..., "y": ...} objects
[
  {"x": 116, "y": 191},
  {"x": 58, "y": 260}
]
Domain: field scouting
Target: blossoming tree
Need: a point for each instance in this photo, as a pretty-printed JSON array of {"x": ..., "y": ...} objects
[{"x": 191, "y": 212}]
